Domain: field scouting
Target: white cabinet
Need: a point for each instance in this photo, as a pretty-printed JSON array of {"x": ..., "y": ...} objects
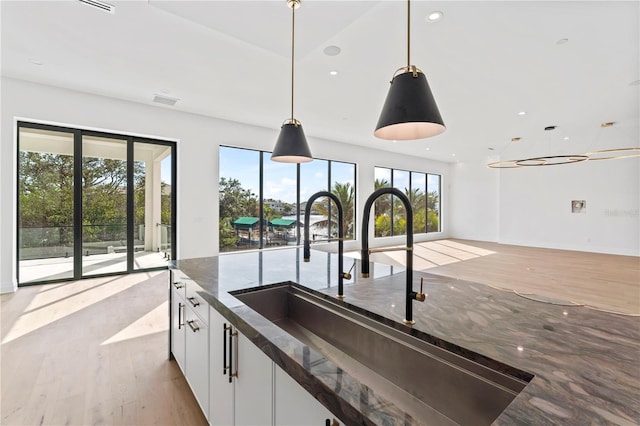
[
  {"x": 221, "y": 386},
  {"x": 234, "y": 382},
  {"x": 294, "y": 406},
  {"x": 241, "y": 383},
  {"x": 190, "y": 336},
  {"x": 197, "y": 357},
  {"x": 178, "y": 331},
  {"x": 254, "y": 385}
]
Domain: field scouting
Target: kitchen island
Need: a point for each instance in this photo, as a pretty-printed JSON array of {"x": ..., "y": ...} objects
[{"x": 585, "y": 364}]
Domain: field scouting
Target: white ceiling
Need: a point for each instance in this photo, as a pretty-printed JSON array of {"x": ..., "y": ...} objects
[{"x": 485, "y": 61}]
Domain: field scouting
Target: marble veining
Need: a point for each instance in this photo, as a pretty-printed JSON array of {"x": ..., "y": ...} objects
[{"x": 586, "y": 363}]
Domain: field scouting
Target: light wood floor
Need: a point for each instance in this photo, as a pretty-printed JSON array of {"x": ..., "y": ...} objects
[
  {"x": 92, "y": 352},
  {"x": 602, "y": 281}
]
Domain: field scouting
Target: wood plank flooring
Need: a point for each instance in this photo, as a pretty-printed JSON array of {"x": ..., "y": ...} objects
[
  {"x": 92, "y": 352},
  {"x": 602, "y": 281}
]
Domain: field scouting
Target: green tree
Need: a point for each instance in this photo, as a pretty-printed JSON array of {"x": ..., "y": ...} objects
[
  {"x": 433, "y": 211},
  {"x": 235, "y": 202},
  {"x": 382, "y": 208},
  {"x": 346, "y": 194},
  {"x": 417, "y": 200}
]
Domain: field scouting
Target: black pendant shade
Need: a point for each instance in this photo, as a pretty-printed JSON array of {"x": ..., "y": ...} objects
[
  {"x": 410, "y": 111},
  {"x": 291, "y": 146}
]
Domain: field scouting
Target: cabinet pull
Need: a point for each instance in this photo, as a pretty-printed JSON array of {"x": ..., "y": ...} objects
[
  {"x": 194, "y": 326},
  {"x": 180, "y": 315},
  {"x": 193, "y": 301},
  {"x": 178, "y": 284},
  {"x": 329, "y": 422},
  {"x": 232, "y": 355},
  {"x": 224, "y": 348}
]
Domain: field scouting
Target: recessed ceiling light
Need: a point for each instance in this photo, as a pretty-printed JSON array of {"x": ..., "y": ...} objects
[
  {"x": 635, "y": 83},
  {"x": 515, "y": 139},
  {"x": 428, "y": 149},
  {"x": 434, "y": 16},
  {"x": 453, "y": 155},
  {"x": 35, "y": 61},
  {"x": 607, "y": 124},
  {"x": 332, "y": 50},
  {"x": 522, "y": 113},
  {"x": 566, "y": 138},
  {"x": 333, "y": 72},
  {"x": 562, "y": 41}
]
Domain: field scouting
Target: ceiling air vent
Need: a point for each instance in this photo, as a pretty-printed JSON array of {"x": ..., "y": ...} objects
[
  {"x": 165, "y": 100},
  {"x": 100, "y": 5}
]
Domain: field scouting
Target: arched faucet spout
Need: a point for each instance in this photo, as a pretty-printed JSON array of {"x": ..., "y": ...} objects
[
  {"x": 307, "y": 243},
  {"x": 365, "y": 252}
]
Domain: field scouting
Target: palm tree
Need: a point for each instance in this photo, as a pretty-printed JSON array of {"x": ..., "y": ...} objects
[
  {"x": 417, "y": 199},
  {"x": 382, "y": 207},
  {"x": 346, "y": 194},
  {"x": 433, "y": 211}
]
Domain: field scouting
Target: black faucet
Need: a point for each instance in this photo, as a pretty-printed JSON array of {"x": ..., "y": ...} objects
[
  {"x": 307, "y": 243},
  {"x": 365, "y": 252}
]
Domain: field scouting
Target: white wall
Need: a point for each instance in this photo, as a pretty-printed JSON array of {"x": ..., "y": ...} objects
[
  {"x": 474, "y": 193},
  {"x": 198, "y": 139},
  {"x": 532, "y": 206}
]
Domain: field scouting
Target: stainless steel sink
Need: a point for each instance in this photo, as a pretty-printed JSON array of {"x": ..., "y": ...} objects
[{"x": 433, "y": 385}]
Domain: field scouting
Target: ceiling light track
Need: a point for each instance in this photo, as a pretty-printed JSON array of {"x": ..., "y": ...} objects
[{"x": 555, "y": 160}]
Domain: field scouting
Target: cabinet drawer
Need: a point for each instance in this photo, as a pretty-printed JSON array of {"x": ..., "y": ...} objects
[
  {"x": 197, "y": 358},
  {"x": 196, "y": 303},
  {"x": 179, "y": 283}
]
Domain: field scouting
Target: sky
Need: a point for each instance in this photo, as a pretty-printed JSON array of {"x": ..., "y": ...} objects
[{"x": 280, "y": 178}]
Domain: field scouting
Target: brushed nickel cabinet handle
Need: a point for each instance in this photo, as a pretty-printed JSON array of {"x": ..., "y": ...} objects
[
  {"x": 234, "y": 374},
  {"x": 180, "y": 315},
  {"x": 178, "y": 284},
  {"x": 194, "y": 326},
  {"x": 193, "y": 301}
]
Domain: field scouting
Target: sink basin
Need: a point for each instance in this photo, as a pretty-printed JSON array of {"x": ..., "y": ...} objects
[{"x": 431, "y": 384}]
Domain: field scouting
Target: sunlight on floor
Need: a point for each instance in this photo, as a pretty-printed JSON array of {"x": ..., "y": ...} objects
[
  {"x": 54, "y": 303},
  {"x": 429, "y": 254},
  {"x": 154, "y": 321}
]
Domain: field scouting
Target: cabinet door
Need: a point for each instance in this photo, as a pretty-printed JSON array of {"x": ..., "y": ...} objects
[
  {"x": 254, "y": 386},
  {"x": 295, "y": 406},
  {"x": 178, "y": 332},
  {"x": 220, "y": 390},
  {"x": 197, "y": 356}
]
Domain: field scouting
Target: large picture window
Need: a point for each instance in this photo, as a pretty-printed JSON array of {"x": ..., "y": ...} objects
[
  {"x": 262, "y": 203},
  {"x": 423, "y": 191}
]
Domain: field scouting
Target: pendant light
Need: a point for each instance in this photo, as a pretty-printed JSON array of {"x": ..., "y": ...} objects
[
  {"x": 410, "y": 111},
  {"x": 292, "y": 146}
]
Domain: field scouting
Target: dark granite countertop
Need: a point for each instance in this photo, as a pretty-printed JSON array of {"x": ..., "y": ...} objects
[{"x": 586, "y": 363}]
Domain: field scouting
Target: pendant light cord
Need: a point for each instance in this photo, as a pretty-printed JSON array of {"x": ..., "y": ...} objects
[
  {"x": 293, "y": 32},
  {"x": 408, "y": 34}
]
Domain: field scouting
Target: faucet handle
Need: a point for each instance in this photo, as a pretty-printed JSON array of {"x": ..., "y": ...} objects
[
  {"x": 420, "y": 296},
  {"x": 347, "y": 275}
]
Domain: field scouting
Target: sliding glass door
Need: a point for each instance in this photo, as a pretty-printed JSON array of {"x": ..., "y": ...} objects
[
  {"x": 104, "y": 205},
  {"x": 92, "y": 204},
  {"x": 46, "y": 177}
]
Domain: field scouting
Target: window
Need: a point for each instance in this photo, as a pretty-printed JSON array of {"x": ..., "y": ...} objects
[
  {"x": 262, "y": 203},
  {"x": 92, "y": 203},
  {"x": 423, "y": 191}
]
